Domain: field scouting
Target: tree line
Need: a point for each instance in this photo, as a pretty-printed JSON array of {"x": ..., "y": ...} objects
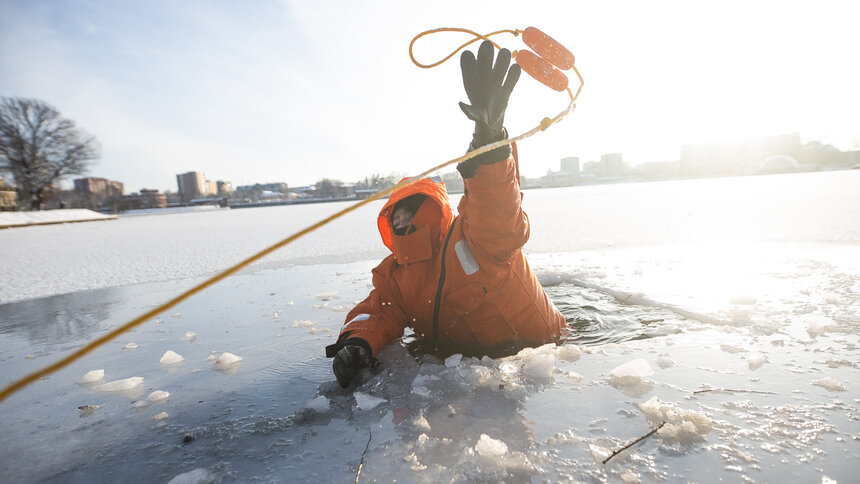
[{"x": 38, "y": 147}]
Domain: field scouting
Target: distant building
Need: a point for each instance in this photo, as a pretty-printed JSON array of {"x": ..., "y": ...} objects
[
  {"x": 145, "y": 199},
  {"x": 255, "y": 192},
  {"x": 611, "y": 165},
  {"x": 737, "y": 157},
  {"x": 8, "y": 197},
  {"x": 193, "y": 185},
  {"x": 570, "y": 165},
  {"x": 224, "y": 188},
  {"x": 94, "y": 193}
]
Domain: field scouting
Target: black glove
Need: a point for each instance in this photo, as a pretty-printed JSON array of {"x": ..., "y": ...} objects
[
  {"x": 488, "y": 88},
  {"x": 352, "y": 357}
]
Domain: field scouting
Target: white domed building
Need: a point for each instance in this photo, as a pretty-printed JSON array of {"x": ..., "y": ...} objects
[{"x": 779, "y": 164}]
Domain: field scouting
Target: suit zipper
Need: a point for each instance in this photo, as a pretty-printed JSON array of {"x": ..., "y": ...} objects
[{"x": 438, "y": 302}]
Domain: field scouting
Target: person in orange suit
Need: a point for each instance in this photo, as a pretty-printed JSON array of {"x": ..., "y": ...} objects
[{"x": 457, "y": 279}]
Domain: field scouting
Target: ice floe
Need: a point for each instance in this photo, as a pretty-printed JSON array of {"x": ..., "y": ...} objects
[
  {"x": 830, "y": 384},
  {"x": 171, "y": 358},
  {"x": 157, "y": 396},
  {"x": 91, "y": 377},
  {"x": 631, "y": 373},
  {"x": 366, "y": 402},
  {"x": 130, "y": 387},
  {"x": 227, "y": 363}
]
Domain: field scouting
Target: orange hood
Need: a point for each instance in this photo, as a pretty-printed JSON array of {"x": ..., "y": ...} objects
[{"x": 435, "y": 213}]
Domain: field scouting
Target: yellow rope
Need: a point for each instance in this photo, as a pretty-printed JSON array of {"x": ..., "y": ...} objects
[
  {"x": 92, "y": 345},
  {"x": 458, "y": 49}
]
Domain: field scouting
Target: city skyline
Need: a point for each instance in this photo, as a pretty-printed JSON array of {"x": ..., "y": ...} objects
[{"x": 292, "y": 91}]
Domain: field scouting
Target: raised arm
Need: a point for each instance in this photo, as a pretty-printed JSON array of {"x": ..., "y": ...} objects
[{"x": 493, "y": 220}]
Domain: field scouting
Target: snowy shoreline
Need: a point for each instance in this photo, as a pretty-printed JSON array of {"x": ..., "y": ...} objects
[{"x": 49, "y": 217}]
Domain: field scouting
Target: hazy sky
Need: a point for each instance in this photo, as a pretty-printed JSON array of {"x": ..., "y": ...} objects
[{"x": 264, "y": 91}]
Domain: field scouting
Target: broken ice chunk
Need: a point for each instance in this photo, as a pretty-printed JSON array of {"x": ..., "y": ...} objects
[
  {"x": 599, "y": 453},
  {"x": 630, "y": 373},
  {"x": 574, "y": 376},
  {"x": 630, "y": 477},
  {"x": 366, "y": 402},
  {"x": 568, "y": 352},
  {"x": 227, "y": 363},
  {"x": 130, "y": 387},
  {"x": 539, "y": 366},
  {"x": 91, "y": 377},
  {"x": 421, "y": 423},
  {"x": 319, "y": 404},
  {"x": 731, "y": 349},
  {"x": 160, "y": 416},
  {"x": 197, "y": 476},
  {"x": 682, "y": 426},
  {"x": 815, "y": 330},
  {"x": 157, "y": 396},
  {"x": 453, "y": 360},
  {"x": 756, "y": 361},
  {"x": 664, "y": 361},
  {"x": 830, "y": 384},
  {"x": 490, "y": 447},
  {"x": 130, "y": 346},
  {"x": 170, "y": 358},
  {"x": 190, "y": 336}
]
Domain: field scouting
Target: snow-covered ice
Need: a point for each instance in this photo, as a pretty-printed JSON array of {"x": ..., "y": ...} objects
[{"x": 729, "y": 301}]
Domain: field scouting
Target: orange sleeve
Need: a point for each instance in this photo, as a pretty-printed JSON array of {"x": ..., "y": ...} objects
[
  {"x": 378, "y": 319},
  {"x": 491, "y": 208}
]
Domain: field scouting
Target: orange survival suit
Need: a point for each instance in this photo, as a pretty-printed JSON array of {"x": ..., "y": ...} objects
[{"x": 462, "y": 280}]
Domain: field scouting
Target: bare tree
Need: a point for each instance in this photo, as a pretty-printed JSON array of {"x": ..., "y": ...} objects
[{"x": 40, "y": 147}]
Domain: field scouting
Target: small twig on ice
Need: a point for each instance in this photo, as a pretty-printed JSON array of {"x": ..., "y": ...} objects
[
  {"x": 631, "y": 444},
  {"x": 361, "y": 464},
  {"x": 730, "y": 390}
]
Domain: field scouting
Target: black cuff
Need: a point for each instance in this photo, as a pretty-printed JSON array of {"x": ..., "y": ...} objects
[
  {"x": 332, "y": 349},
  {"x": 468, "y": 168}
]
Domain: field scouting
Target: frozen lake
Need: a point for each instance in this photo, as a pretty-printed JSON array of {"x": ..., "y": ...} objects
[{"x": 744, "y": 284}]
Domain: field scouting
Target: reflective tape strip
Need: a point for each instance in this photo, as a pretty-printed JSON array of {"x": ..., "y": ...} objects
[
  {"x": 467, "y": 260},
  {"x": 360, "y": 317}
]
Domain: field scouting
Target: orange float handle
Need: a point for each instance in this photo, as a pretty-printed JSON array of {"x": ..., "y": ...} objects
[
  {"x": 541, "y": 70},
  {"x": 548, "y": 48}
]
